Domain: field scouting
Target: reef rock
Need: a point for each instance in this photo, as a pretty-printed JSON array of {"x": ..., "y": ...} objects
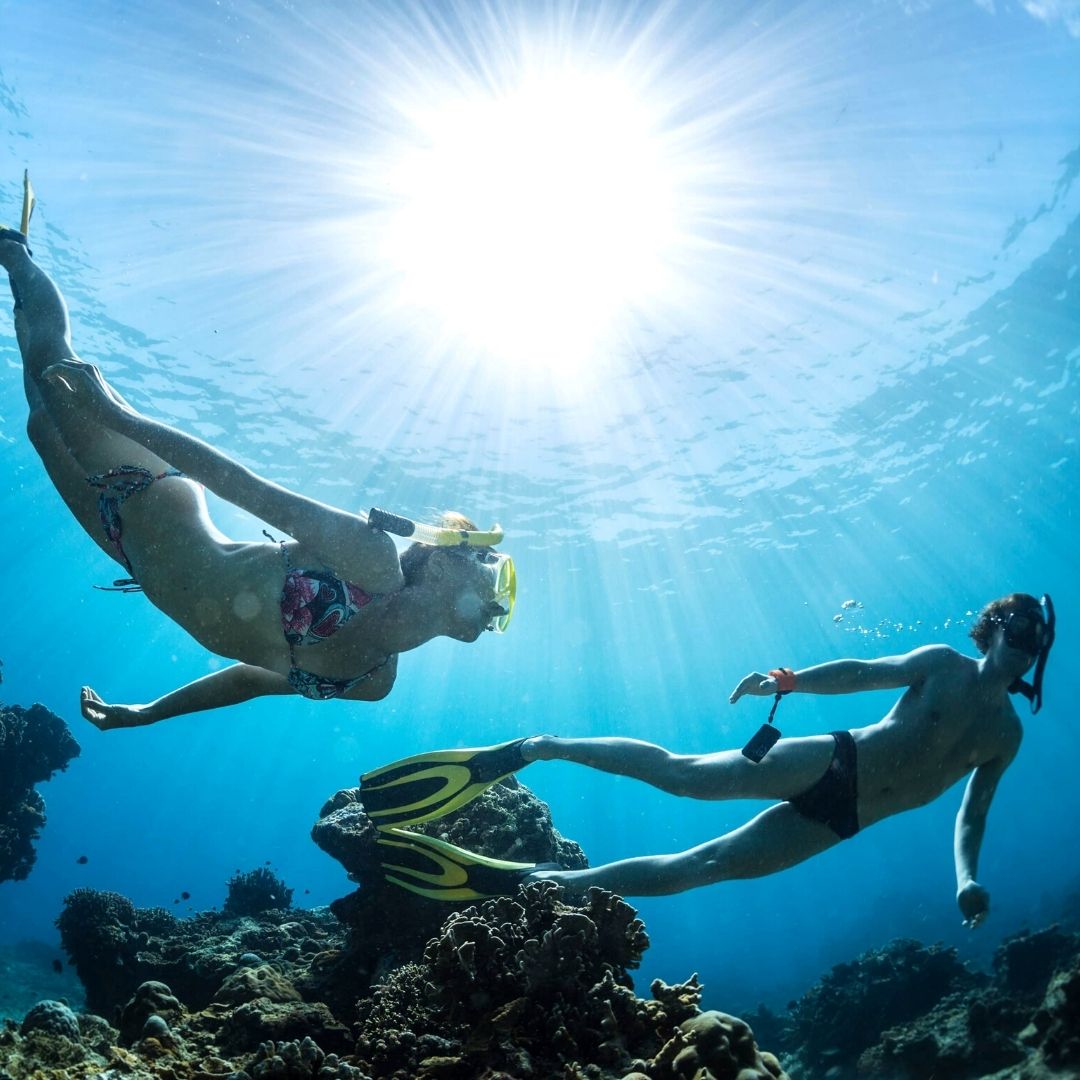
[
  {"x": 34, "y": 744},
  {"x": 849, "y": 1009},
  {"x": 529, "y": 986},
  {"x": 116, "y": 947},
  {"x": 1018, "y": 1023},
  {"x": 389, "y": 926}
]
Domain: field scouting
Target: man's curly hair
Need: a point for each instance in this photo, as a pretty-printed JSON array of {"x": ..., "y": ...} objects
[{"x": 997, "y": 611}]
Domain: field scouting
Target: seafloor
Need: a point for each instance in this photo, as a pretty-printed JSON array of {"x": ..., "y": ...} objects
[{"x": 531, "y": 986}]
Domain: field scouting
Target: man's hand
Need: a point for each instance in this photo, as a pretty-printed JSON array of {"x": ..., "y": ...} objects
[
  {"x": 756, "y": 685},
  {"x": 974, "y": 902}
]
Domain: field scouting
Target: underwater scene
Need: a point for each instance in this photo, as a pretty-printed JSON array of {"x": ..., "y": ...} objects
[{"x": 713, "y": 369}]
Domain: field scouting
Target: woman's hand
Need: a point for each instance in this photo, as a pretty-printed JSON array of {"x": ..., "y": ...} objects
[
  {"x": 106, "y": 717},
  {"x": 974, "y": 903},
  {"x": 79, "y": 385},
  {"x": 756, "y": 685}
]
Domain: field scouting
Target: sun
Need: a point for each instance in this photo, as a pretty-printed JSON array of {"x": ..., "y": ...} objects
[{"x": 530, "y": 224}]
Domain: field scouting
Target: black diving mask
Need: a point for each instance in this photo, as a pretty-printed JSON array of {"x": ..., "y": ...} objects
[{"x": 1033, "y": 635}]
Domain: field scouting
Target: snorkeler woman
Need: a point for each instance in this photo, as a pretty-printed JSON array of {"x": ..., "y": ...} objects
[{"x": 323, "y": 614}]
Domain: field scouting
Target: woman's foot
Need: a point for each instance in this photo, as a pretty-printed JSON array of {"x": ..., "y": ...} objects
[{"x": 106, "y": 717}]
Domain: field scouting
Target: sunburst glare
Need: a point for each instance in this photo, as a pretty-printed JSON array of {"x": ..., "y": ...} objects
[{"x": 530, "y": 223}]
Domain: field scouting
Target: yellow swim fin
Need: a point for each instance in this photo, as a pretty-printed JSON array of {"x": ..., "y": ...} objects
[
  {"x": 429, "y": 786},
  {"x": 437, "y": 870}
]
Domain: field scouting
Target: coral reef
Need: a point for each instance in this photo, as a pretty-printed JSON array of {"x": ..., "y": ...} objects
[
  {"x": 530, "y": 986},
  {"x": 255, "y": 891},
  {"x": 388, "y": 926},
  {"x": 526, "y": 987},
  {"x": 34, "y": 744},
  {"x": 115, "y": 947},
  {"x": 849, "y": 1009},
  {"x": 906, "y": 1012}
]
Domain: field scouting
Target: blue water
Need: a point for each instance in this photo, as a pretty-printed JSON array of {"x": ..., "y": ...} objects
[{"x": 869, "y": 393}]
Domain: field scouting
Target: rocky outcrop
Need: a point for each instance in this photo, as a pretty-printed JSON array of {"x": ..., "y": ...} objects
[
  {"x": 389, "y": 926},
  {"x": 34, "y": 744}
]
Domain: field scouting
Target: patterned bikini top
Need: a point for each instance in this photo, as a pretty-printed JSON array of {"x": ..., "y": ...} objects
[{"x": 315, "y": 604}]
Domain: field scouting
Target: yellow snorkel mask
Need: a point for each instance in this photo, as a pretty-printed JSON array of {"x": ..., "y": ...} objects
[
  {"x": 504, "y": 584},
  {"x": 499, "y": 566}
]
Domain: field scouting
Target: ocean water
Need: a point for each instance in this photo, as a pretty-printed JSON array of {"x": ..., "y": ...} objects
[{"x": 860, "y": 384}]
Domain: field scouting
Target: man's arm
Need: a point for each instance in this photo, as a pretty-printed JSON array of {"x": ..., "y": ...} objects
[
  {"x": 853, "y": 676},
  {"x": 973, "y": 899},
  {"x": 230, "y": 686}
]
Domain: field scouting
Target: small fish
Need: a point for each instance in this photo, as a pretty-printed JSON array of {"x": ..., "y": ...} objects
[
  {"x": 185, "y": 895},
  {"x": 58, "y": 967},
  {"x": 306, "y": 891},
  {"x": 82, "y": 860},
  {"x": 177, "y": 900}
]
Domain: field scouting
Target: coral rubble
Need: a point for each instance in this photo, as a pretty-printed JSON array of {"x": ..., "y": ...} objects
[{"x": 34, "y": 744}]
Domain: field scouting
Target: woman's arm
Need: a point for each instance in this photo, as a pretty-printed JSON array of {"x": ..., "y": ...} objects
[
  {"x": 346, "y": 540},
  {"x": 230, "y": 686}
]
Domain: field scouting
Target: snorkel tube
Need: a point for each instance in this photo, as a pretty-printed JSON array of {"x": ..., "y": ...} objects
[
  {"x": 1033, "y": 690},
  {"x": 434, "y": 535}
]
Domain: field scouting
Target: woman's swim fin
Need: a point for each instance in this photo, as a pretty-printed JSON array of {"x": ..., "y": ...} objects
[
  {"x": 441, "y": 871},
  {"x": 429, "y": 786}
]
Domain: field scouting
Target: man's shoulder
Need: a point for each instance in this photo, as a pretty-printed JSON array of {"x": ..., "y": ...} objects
[{"x": 939, "y": 657}]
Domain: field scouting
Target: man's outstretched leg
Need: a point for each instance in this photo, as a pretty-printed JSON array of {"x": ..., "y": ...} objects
[
  {"x": 792, "y": 766},
  {"x": 776, "y": 839}
]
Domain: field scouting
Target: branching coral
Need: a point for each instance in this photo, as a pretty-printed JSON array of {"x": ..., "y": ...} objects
[{"x": 257, "y": 890}]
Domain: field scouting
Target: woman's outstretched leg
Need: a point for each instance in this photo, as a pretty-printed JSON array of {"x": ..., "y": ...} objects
[{"x": 792, "y": 766}]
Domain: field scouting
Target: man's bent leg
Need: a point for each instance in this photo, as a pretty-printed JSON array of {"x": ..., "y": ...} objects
[{"x": 776, "y": 839}]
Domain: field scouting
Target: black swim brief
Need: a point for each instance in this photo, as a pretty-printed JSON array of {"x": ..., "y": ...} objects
[{"x": 833, "y": 799}]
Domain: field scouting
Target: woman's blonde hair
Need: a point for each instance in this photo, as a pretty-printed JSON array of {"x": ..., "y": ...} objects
[{"x": 415, "y": 557}]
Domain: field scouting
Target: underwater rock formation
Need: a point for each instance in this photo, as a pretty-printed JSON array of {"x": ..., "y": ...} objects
[
  {"x": 907, "y": 1012},
  {"x": 115, "y": 947},
  {"x": 34, "y": 744},
  {"x": 847, "y": 1011},
  {"x": 389, "y": 926}
]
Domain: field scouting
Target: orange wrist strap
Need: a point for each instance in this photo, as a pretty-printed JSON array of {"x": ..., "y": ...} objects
[{"x": 785, "y": 679}]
